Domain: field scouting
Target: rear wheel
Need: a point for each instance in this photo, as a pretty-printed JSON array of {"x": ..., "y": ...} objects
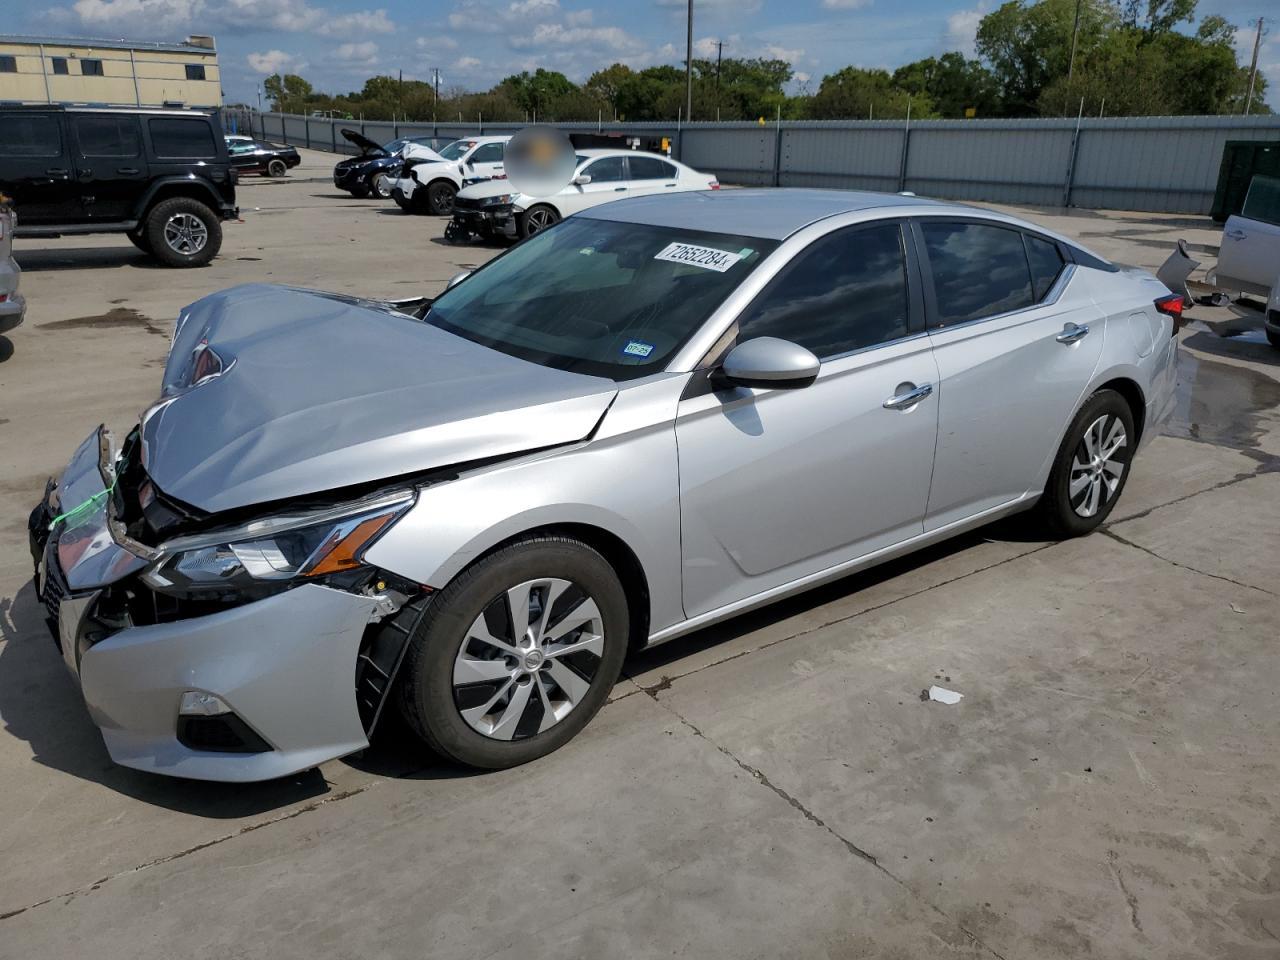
[
  {"x": 440, "y": 198},
  {"x": 517, "y": 654},
  {"x": 183, "y": 232},
  {"x": 536, "y": 219},
  {"x": 1092, "y": 466},
  {"x": 277, "y": 168}
]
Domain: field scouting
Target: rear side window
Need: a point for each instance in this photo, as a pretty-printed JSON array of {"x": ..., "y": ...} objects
[
  {"x": 979, "y": 270},
  {"x": 24, "y": 135},
  {"x": 178, "y": 138},
  {"x": 846, "y": 291},
  {"x": 107, "y": 136},
  {"x": 1262, "y": 202},
  {"x": 1046, "y": 264},
  {"x": 651, "y": 168}
]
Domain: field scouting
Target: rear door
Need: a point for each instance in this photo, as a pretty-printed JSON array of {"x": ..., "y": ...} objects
[
  {"x": 111, "y": 171},
  {"x": 1249, "y": 259},
  {"x": 608, "y": 182},
  {"x": 1015, "y": 348},
  {"x": 778, "y": 485},
  {"x": 36, "y": 169},
  {"x": 651, "y": 175}
]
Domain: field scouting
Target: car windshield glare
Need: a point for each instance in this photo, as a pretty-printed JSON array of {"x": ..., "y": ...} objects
[
  {"x": 455, "y": 150},
  {"x": 599, "y": 297}
]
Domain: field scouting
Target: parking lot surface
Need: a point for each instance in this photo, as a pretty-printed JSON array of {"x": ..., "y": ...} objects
[{"x": 770, "y": 787}]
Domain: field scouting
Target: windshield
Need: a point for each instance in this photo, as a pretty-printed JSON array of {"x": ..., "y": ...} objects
[
  {"x": 455, "y": 150},
  {"x": 395, "y": 146},
  {"x": 599, "y": 297}
]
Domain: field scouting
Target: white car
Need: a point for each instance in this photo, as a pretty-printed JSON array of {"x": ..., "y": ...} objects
[
  {"x": 493, "y": 209},
  {"x": 1249, "y": 258},
  {"x": 430, "y": 187}
]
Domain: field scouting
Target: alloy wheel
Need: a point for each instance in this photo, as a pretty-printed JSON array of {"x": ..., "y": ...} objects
[
  {"x": 1098, "y": 465},
  {"x": 382, "y": 185},
  {"x": 185, "y": 234},
  {"x": 538, "y": 220},
  {"x": 528, "y": 659}
]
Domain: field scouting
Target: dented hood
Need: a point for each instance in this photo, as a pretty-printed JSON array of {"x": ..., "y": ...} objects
[{"x": 319, "y": 391}]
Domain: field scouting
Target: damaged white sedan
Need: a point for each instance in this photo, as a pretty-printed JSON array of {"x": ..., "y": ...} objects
[{"x": 652, "y": 416}]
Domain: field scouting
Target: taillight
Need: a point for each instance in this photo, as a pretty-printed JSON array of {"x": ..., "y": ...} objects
[
  {"x": 713, "y": 185},
  {"x": 1172, "y": 306}
]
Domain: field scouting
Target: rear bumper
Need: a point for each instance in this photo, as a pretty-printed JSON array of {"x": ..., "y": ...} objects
[{"x": 13, "y": 311}]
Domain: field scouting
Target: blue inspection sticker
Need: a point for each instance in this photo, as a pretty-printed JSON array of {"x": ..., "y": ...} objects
[{"x": 638, "y": 348}]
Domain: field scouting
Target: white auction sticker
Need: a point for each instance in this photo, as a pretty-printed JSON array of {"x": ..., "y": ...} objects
[{"x": 708, "y": 258}]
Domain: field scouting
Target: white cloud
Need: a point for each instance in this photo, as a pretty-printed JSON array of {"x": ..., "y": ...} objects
[
  {"x": 846, "y": 4},
  {"x": 149, "y": 18},
  {"x": 441, "y": 42},
  {"x": 736, "y": 8},
  {"x": 578, "y": 18},
  {"x": 466, "y": 64},
  {"x": 557, "y": 35},
  {"x": 274, "y": 61},
  {"x": 363, "y": 52},
  {"x": 962, "y": 28},
  {"x": 534, "y": 8}
]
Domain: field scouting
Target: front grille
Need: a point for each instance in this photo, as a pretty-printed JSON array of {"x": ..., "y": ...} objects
[
  {"x": 461, "y": 203},
  {"x": 54, "y": 589}
]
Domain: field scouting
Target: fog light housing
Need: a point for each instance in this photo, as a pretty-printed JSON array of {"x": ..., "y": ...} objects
[{"x": 196, "y": 703}]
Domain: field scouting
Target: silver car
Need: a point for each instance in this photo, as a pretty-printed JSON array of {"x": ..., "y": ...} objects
[
  {"x": 657, "y": 414},
  {"x": 12, "y": 306}
]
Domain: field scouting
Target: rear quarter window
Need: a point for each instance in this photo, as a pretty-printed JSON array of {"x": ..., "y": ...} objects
[{"x": 180, "y": 138}]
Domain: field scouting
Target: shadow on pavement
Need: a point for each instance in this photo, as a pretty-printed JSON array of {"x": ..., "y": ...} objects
[{"x": 83, "y": 258}]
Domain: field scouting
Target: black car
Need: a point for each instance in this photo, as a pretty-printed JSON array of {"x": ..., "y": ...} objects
[
  {"x": 362, "y": 175},
  {"x": 260, "y": 156},
  {"x": 161, "y": 177}
]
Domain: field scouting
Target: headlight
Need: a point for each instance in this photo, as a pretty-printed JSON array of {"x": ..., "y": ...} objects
[
  {"x": 269, "y": 555},
  {"x": 496, "y": 201}
]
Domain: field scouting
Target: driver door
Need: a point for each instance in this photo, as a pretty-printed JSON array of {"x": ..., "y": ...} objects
[
  {"x": 608, "y": 182},
  {"x": 777, "y": 485}
]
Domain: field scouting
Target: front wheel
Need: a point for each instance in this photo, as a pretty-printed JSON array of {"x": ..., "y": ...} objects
[
  {"x": 517, "y": 654},
  {"x": 440, "y": 198},
  {"x": 277, "y": 168},
  {"x": 139, "y": 239},
  {"x": 380, "y": 186},
  {"x": 537, "y": 219},
  {"x": 1092, "y": 466},
  {"x": 183, "y": 232}
]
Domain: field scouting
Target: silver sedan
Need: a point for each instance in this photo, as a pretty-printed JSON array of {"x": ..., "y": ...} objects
[{"x": 655, "y": 415}]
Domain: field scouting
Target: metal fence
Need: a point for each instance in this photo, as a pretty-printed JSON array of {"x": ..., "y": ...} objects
[{"x": 1158, "y": 164}]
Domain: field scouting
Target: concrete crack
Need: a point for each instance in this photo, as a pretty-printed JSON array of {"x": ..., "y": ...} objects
[
  {"x": 169, "y": 858},
  {"x": 1204, "y": 573},
  {"x": 1129, "y": 898}
]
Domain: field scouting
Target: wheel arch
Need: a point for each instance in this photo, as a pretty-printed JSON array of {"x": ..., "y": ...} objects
[
  {"x": 166, "y": 189},
  {"x": 1133, "y": 395}
]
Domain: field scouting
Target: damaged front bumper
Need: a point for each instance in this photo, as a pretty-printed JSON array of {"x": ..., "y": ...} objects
[
  {"x": 278, "y": 671},
  {"x": 473, "y": 219}
]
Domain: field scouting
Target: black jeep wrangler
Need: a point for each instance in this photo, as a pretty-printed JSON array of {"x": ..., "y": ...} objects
[{"x": 161, "y": 177}]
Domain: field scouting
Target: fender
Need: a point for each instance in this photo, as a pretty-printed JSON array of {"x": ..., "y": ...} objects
[{"x": 196, "y": 187}]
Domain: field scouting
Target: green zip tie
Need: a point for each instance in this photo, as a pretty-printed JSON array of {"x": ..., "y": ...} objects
[{"x": 84, "y": 507}]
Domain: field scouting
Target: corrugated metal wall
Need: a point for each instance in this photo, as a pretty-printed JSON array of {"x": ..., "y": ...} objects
[{"x": 1159, "y": 164}]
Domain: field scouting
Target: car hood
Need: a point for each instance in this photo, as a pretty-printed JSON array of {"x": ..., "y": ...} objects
[
  {"x": 319, "y": 391},
  {"x": 367, "y": 147},
  {"x": 486, "y": 188},
  {"x": 417, "y": 151}
]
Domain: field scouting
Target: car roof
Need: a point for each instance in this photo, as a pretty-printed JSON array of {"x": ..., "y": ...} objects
[{"x": 769, "y": 213}]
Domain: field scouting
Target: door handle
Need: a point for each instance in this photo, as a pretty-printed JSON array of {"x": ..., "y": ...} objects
[
  {"x": 1072, "y": 332},
  {"x": 57, "y": 171},
  {"x": 619, "y": 189},
  {"x": 128, "y": 171},
  {"x": 903, "y": 401},
  {"x": 1237, "y": 234}
]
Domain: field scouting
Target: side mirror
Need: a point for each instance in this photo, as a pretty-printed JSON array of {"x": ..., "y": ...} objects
[
  {"x": 582, "y": 179},
  {"x": 457, "y": 278},
  {"x": 770, "y": 362}
]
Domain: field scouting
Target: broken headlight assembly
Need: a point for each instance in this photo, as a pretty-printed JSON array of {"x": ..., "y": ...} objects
[{"x": 270, "y": 555}]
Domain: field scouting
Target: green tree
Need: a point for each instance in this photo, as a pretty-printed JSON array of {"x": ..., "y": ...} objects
[
  {"x": 954, "y": 84},
  {"x": 855, "y": 93},
  {"x": 607, "y": 84},
  {"x": 287, "y": 93},
  {"x": 536, "y": 93}
]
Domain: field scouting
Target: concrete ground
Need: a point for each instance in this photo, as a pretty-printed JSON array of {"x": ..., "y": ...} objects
[{"x": 771, "y": 787}]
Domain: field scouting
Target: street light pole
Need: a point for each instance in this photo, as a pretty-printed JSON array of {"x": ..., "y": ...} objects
[
  {"x": 688, "y": 66},
  {"x": 1253, "y": 68}
]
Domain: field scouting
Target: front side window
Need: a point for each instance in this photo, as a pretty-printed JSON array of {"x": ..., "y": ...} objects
[
  {"x": 488, "y": 153},
  {"x": 107, "y": 136},
  {"x": 607, "y": 170},
  {"x": 979, "y": 270},
  {"x": 845, "y": 291},
  {"x": 597, "y": 297},
  {"x": 195, "y": 71},
  {"x": 178, "y": 138},
  {"x": 27, "y": 135},
  {"x": 60, "y": 66},
  {"x": 1262, "y": 202},
  {"x": 91, "y": 68}
]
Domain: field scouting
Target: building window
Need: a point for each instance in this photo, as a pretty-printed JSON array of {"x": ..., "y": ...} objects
[
  {"x": 60, "y": 66},
  {"x": 8, "y": 64},
  {"x": 91, "y": 68},
  {"x": 195, "y": 71}
]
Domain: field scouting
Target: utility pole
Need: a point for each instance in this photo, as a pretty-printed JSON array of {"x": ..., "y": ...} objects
[
  {"x": 435, "y": 90},
  {"x": 688, "y": 66},
  {"x": 1075, "y": 35},
  {"x": 1253, "y": 68}
]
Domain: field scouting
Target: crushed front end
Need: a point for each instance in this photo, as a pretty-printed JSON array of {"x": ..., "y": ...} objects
[{"x": 483, "y": 217}]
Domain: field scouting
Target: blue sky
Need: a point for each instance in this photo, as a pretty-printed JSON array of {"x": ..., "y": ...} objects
[{"x": 336, "y": 44}]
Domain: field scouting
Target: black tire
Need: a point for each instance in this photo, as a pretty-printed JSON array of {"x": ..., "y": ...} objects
[
  {"x": 139, "y": 239},
  {"x": 1074, "y": 514},
  {"x": 359, "y": 192},
  {"x": 432, "y": 704},
  {"x": 440, "y": 194},
  {"x": 379, "y": 186},
  {"x": 1273, "y": 337},
  {"x": 183, "y": 210},
  {"x": 277, "y": 168},
  {"x": 536, "y": 219}
]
